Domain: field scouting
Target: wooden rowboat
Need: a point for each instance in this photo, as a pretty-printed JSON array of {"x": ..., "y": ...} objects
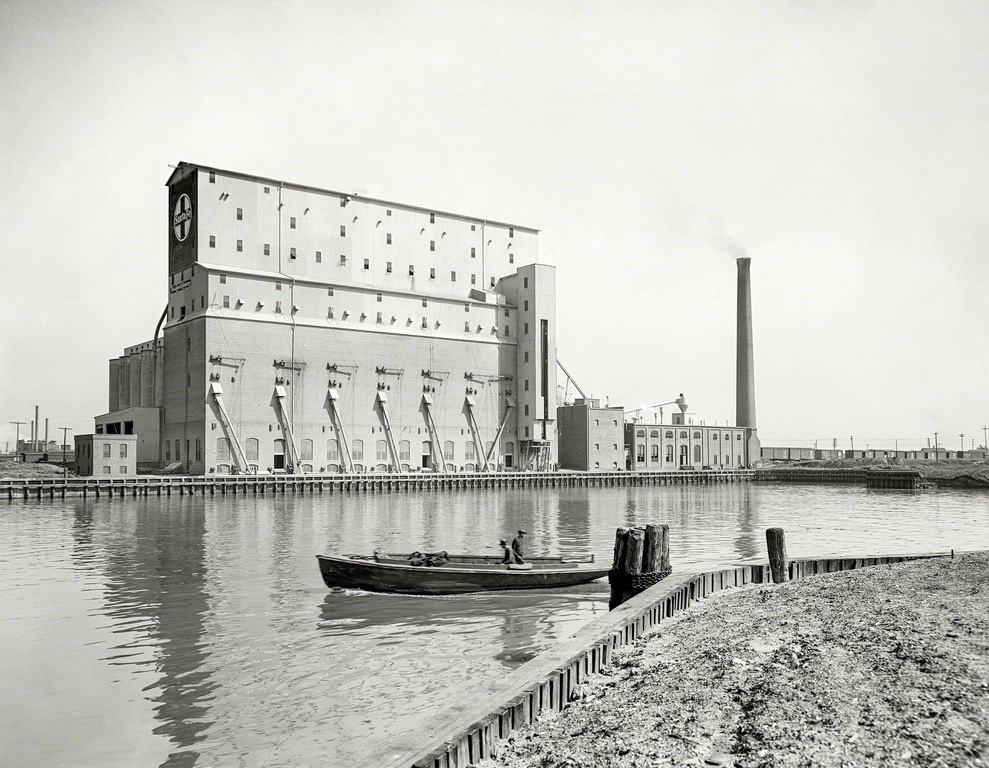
[{"x": 443, "y": 574}]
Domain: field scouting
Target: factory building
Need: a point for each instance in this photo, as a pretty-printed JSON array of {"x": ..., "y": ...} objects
[
  {"x": 591, "y": 437},
  {"x": 309, "y": 330}
]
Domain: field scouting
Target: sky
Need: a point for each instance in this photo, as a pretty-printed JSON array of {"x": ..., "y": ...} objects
[{"x": 841, "y": 145}]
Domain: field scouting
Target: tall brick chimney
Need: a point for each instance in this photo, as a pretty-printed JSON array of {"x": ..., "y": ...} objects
[{"x": 744, "y": 363}]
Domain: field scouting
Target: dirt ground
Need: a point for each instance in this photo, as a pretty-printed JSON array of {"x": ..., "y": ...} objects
[
  {"x": 18, "y": 469},
  {"x": 951, "y": 473},
  {"x": 885, "y": 666}
]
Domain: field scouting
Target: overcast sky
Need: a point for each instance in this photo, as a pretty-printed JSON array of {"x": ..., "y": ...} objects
[{"x": 843, "y": 145}]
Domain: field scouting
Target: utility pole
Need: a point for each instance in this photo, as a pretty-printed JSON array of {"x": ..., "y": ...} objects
[
  {"x": 852, "y": 440},
  {"x": 17, "y": 441},
  {"x": 961, "y": 439},
  {"x": 64, "y": 441},
  {"x": 985, "y": 444},
  {"x": 935, "y": 448}
]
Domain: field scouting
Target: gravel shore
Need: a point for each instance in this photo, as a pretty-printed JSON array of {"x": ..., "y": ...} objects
[{"x": 885, "y": 666}]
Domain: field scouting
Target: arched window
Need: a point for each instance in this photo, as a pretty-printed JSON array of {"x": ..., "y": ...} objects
[
  {"x": 381, "y": 451},
  {"x": 669, "y": 453},
  {"x": 738, "y": 437},
  {"x": 222, "y": 449},
  {"x": 252, "y": 448},
  {"x": 404, "y": 450},
  {"x": 696, "y": 434},
  {"x": 654, "y": 433},
  {"x": 683, "y": 434},
  {"x": 654, "y": 454},
  {"x": 669, "y": 433},
  {"x": 697, "y": 454},
  {"x": 469, "y": 451},
  {"x": 640, "y": 433},
  {"x": 357, "y": 450},
  {"x": 307, "y": 450},
  {"x": 448, "y": 450},
  {"x": 279, "y": 457},
  {"x": 332, "y": 450}
]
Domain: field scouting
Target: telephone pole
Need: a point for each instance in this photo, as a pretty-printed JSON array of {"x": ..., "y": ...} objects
[
  {"x": 64, "y": 441},
  {"x": 935, "y": 449},
  {"x": 17, "y": 441}
]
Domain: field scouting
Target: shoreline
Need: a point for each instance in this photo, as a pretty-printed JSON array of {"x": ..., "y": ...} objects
[{"x": 887, "y": 665}]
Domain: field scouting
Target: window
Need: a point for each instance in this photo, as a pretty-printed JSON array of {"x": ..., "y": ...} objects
[
  {"x": 267, "y": 190},
  {"x": 122, "y": 470},
  {"x": 425, "y": 303},
  {"x": 168, "y": 451},
  {"x": 526, "y": 410},
  {"x": 526, "y": 357},
  {"x": 654, "y": 433},
  {"x": 432, "y": 245},
  {"x": 511, "y": 258},
  {"x": 188, "y": 344},
  {"x": 388, "y": 212},
  {"x": 240, "y": 214},
  {"x": 467, "y": 326},
  {"x": 381, "y": 451},
  {"x": 448, "y": 450},
  {"x": 278, "y": 285},
  {"x": 654, "y": 454},
  {"x": 597, "y": 423},
  {"x": 226, "y": 301},
  {"x": 640, "y": 433},
  {"x": 738, "y": 437},
  {"x": 526, "y": 385},
  {"x": 212, "y": 177},
  {"x": 432, "y": 218},
  {"x": 669, "y": 433},
  {"x": 473, "y": 227},
  {"x": 178, "y": 451},
  {"x": 291, "y": 253},
  {"x": 252, "y": 449},
  {"x": 223, "y": 279},
  {"x": 291, "y": 222},
  {"x": 388, "y": 267},
  {"x": 106, "y": 470},
  {"x": 106, "y": 450},
  {"x": 506, "y": 311},
  {"x": 267, "y": 249},
  {"x": 469, "y": 450},
  {"x": 278, "y": 307},
  {"x": 212, "y": 241},
  {"x": 343, "y": 202},
  {"x": 424, "y": 323},
  {"x": 188, "y": 380},
  {"x": 525, "y": 305},
  {"x": 343, "y": 230},
  {"x": 329, "y": 313},
  {"x": 319, "y": 257},
  {"x": 357, "y": 450},
  {"x": 412, "y": 270},
  {"x": 332, "y": 450},
  {"x": 329, "y": 291},
  {"x": 378, "y": 297},
  {"x": 696, "y": 434},
  {"x": 223, "y": 449},
  {"x": 432, "y": 273},
  {"x": 683, "y": 435},
  {"x": 669, "y": 453},
  {"x": 473, "y": 279},
  {"x": 525, "y": 282},
  {"x": 378, "y": 319},
  {"x": 343, "y": 260},
  {"x": 511, "y": 231},
  {"x": 473, "y": 253},
  {"x": 640, "y": 453},
  {"x": 367, "y": 263},
  {"x": 526, "y": 327},
  {"x": 466, "y": 307},
  {"x": 307, "y": 449},
  {"x": 597, "y": 447}
]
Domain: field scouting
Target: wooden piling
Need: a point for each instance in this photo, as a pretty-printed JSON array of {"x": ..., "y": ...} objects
[{"x": 776, "y": 544}]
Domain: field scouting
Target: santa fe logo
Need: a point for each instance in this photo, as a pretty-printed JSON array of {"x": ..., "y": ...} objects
[{"x": 182, "y": 217}]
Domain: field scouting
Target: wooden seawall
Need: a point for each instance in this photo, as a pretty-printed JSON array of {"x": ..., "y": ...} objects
[
  {"x": 212, "y": 485},
  {"x": 472, "y": 727},
  {"x": 902, "y": 479}
]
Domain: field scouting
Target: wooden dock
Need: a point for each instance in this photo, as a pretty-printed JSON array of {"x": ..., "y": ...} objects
[
  {"x": 898, "y": 479},
  {"x": 261, "y": 485}
]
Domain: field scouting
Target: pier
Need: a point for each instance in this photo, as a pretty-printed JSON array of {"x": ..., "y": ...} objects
[{"x": 313, "y": 484}]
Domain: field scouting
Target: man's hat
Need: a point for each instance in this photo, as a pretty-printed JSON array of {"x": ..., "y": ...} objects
[{"x": 522, "y": 532}]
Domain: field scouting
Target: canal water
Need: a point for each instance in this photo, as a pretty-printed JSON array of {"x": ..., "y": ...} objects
[{"x": 190, "y": 631}]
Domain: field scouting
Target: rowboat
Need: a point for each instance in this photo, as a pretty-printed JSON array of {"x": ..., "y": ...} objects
[{"x": 444, "y": 574}]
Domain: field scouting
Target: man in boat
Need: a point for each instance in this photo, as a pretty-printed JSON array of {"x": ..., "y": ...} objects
[
  {"x": 510, "y": 557},
  {"x": 517, "y": 545}
]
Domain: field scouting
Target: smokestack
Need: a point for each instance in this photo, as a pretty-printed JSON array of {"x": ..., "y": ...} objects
[
  {"x": 744, "y": 364},
  {"x": 45, "y": 447}
]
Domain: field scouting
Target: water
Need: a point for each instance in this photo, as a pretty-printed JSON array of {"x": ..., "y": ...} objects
[{"x": 196, "y": 631}]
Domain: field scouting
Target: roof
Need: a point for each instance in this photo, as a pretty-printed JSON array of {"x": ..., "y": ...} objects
[{"x": 182, "y": 169}]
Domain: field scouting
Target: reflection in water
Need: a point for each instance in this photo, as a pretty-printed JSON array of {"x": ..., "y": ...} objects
[
  {"x": 204, "y": 631},
  {"x": 155, "y": 575}
]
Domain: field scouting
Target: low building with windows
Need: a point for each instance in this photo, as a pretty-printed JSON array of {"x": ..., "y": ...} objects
[
  {"x": 105, "y": 455},
  {"x": 681, "y": 445},
  {"x": 590, "y": 437}
]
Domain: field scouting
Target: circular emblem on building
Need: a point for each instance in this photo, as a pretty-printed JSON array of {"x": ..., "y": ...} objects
[{"x": 182, "y": 217}]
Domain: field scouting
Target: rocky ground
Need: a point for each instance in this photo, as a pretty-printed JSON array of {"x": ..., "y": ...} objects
[
  {"x": 24, "y": 470},
  {"x": 885, "y": 666}
]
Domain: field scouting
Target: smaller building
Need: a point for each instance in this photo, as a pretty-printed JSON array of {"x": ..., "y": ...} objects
[
  {"x": 657, "y": 447},
  {"x": 106, "y": 455},
  {"x": 590, "y": 437},
  {"x": 144, "y": 423}
]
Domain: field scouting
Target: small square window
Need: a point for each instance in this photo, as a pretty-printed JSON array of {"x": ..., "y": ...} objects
[
  {"x": 432, "y": 245},
  {"x": 223, "y": 279},
  {"x": 267, "y": 249},
  {"x": 388, "y": 212},
  {"x": 291, "y": 253},
  {"x": 240, "y": 246},
  {"x": 278, "y": 285},
  {"x": 267, "y": 190},
  {"x": 212, "y": 177},
  {"x": 467, "y": 307},
  {"x": 473, "y": 228},
  {"x": 319, "y": 257},
  {"x": 329, "y": 291},
  {"x": 343, "y": 230},
  {"x": 212, "y": 241},
  {"x": 378, "y": 296},
  {"x": 291, "y": 222},
  {"x": 432, "y": 273},
  {"x": 432, "y": 218},
  {"x": 367, "y": 263},
  {"x": 240, "y": 214},
  {"x": 388, "y": 238},
  {"x": 425, "y": 303},
  {"x": 388, "y": 266},
  {"x": 226, "y": 302}
]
